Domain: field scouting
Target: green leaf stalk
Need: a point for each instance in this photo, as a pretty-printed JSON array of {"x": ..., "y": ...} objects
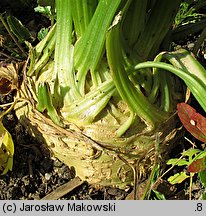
[{"x": 98, "y": 98}]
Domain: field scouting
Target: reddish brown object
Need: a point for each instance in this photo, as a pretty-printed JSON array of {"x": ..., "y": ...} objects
[
  {"x": 5, "y": 86},
  {"x": 197, "y": 165},
  {"x": 194, "y": 122}
]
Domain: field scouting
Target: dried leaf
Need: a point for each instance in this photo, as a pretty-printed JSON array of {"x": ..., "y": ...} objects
[
  {"x": 9, "y": 77},
  {"x": 194, "y": 122},
  {"x": 5, "y": 86}
]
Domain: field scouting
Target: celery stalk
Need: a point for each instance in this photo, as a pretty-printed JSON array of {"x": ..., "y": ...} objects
[
  {"x": 133, "y": 96},
  {"x": 82, "y": 12},
  {"x": 157, "y": 25},
  {"x": 196, "y": 85},
  {"x": 135, "y": 21},
  {"x": 64, "y": 89},
  {"x": 89, "y": 48}
]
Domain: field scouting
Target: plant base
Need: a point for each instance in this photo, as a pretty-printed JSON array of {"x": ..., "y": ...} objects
[{"x": 96, "y": 160}]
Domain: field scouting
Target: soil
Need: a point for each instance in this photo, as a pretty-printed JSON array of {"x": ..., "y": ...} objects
[{"x": 36, "y": 174}]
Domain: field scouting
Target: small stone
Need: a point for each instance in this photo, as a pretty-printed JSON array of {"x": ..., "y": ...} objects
[
  {"x": 57, "y": 163},
  {"x": 47, "y": 176},
  {"x": 190, "y": 46}
]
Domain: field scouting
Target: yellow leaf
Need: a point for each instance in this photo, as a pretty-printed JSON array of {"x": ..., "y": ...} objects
[
  {"x": 6, "y": 150},
  {"x": 178, "y": 178}
]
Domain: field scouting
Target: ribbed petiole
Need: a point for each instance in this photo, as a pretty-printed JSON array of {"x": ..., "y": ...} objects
[
  {"x": 89, "y": 48},
  {"x": 88, "y": 107},
  {"x": 135, "y": 21},
  {"x": 196, "y": 85},
  {"x": 135, "y": 99},
  {"x": 63, "y": 75},
  {"x": 157, "y": 25},
  {"x": 82, "y": 12}
]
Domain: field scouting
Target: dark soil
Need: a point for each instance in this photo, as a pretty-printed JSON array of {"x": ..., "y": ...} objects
[{"x": 35, "y": 173}]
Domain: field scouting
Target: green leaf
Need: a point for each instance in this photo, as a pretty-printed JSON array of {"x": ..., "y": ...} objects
[
  {"x": 202, "y": 177},
  {"x": 158, "y": 196},
  {"x": 42, "y": 33},
  {"x": 44, "y": 10},
  {"x": 20, "y": 31},
  {"x": 178, "y": 178},
  {"x": 177, "y": 161},
  {"x": 45, "y": 103},
  {"x": 190, "y": 152},
  {"x": 204, "y": 196},
  {"x": 47, "y": 8},
  {"x": 202, "y": 154}
]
